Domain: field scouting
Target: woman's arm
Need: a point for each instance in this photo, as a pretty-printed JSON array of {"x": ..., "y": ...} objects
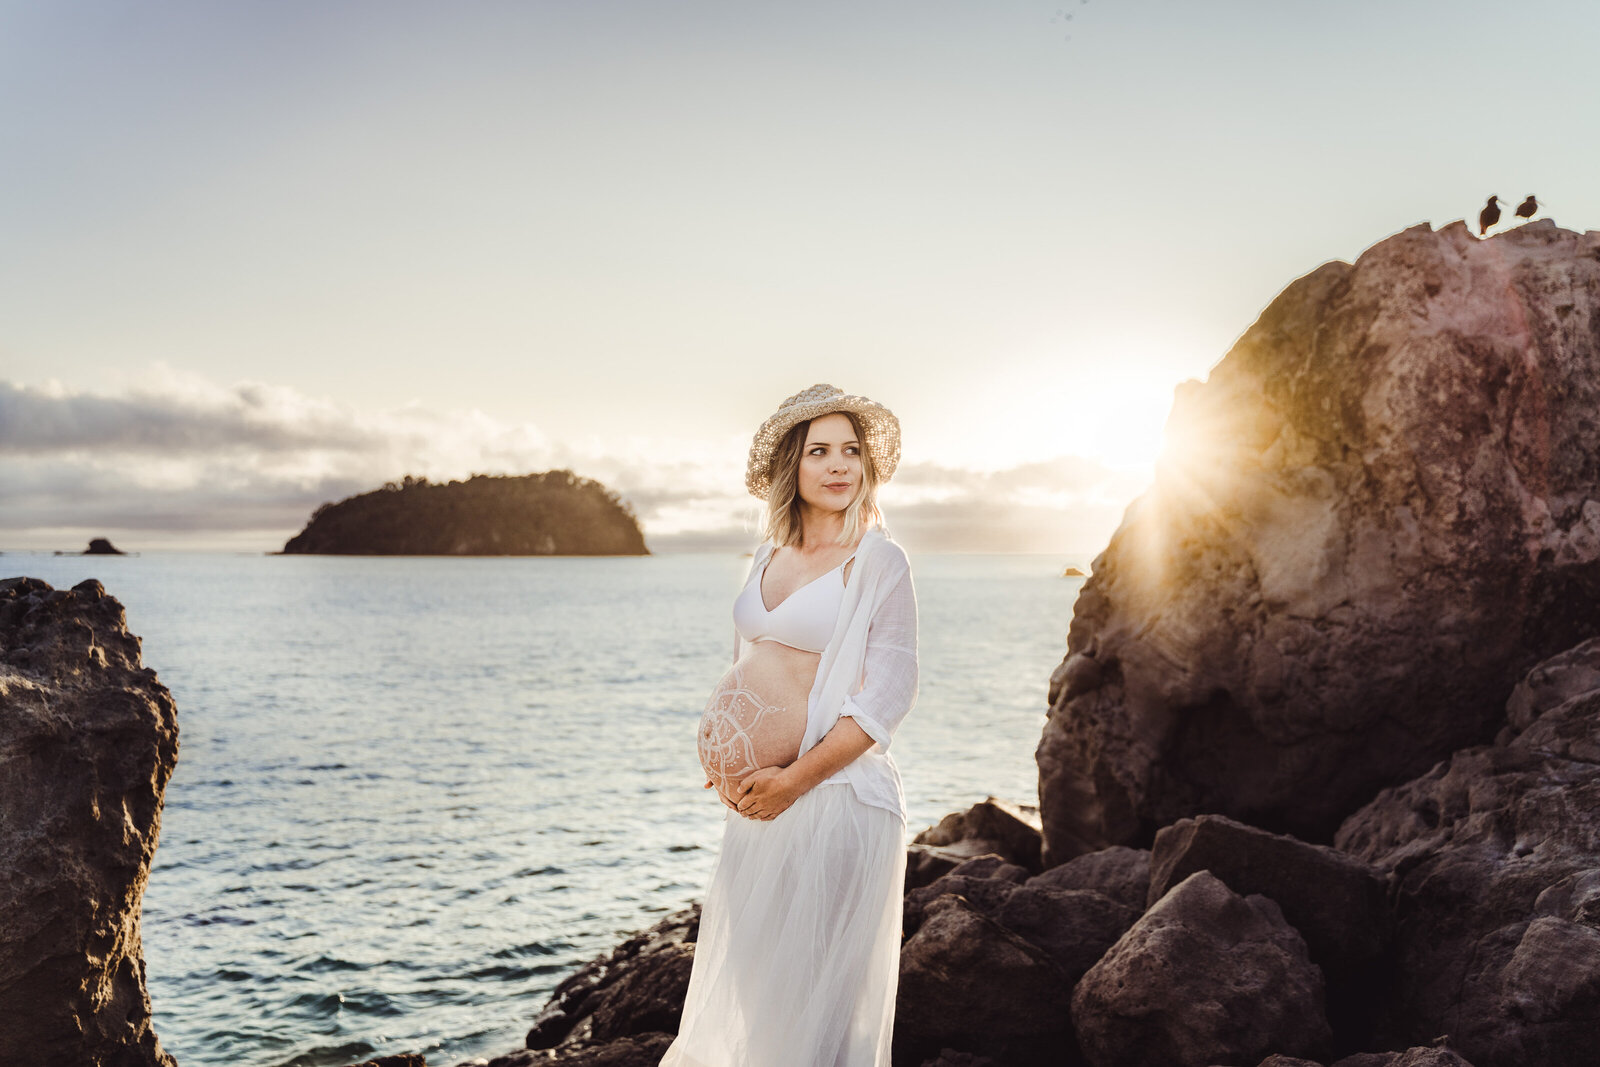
[
  {"x": 768, "y": 792},
  {"x": 868, "y": 718}
]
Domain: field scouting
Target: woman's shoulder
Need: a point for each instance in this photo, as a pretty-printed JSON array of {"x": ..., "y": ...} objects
[{"x": 886, "y": 551}]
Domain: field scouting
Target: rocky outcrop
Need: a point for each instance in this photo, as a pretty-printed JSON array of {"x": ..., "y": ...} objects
[
  {"x": 637, "y": 989},
  {"x": 1204, "y": 977},
  {"x": 99, "y": 546},
  {"x": 1376, "y": 513},
  {"x": 556, "y": 513},
  {"x": 1418, "y": 1056},
  {"x": 992, "y": 827},
  {"x": 1495, "y": 857},
  {"x": 1337, "y": 903},
  {"x": 991, "y": 956},
  {"x": 964, "y": 977},
  {"x": 88, "y": 742},
  {"x": 636, "y": 1050}
]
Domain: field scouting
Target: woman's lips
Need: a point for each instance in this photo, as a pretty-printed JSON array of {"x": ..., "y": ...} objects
[{"x": 837, "y": 485}]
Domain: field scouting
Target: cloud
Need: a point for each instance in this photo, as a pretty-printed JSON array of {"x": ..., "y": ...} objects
[{"x": 183, "y": 460}]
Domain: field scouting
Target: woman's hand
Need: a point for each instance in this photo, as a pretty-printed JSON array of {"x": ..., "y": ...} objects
[
  {"x": 720, "y": 795},
  {"x": 767, "y": 793}
]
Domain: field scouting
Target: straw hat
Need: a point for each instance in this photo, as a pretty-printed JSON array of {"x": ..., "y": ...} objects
[{"x": 878, "y": 425}]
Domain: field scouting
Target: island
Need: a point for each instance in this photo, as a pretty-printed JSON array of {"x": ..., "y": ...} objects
[{"x": 556, "y": 513}]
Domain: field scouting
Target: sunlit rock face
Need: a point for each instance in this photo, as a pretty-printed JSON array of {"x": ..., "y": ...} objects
[
  {"x": 1378, "y": 511},
  {"x": 88, "y": 742}
]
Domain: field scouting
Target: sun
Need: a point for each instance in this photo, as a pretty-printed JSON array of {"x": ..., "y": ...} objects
[{"x": 1120, "y": 420}]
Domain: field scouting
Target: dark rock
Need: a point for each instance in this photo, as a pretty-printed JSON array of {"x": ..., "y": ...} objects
[
  {"x": 1373, "y": 517},
  {"x": 925, "y": 864},
  {"x": 1121, "y": 873},
  {"x": 1337, "y": 903},
  {"x": 1495, "y": 856},
  {"x": 1412, "y": 1057},
  {"x": 993, "y": 826},
  {"x": 1204, "y": 977},
  {"x": 637, "y": 988},
  {"x": 101, "y": 547},
  {"x": 647, "y": 997},
  {"x": 88, "y": 742},
  {"x": 1287, "y": 1061},
  {"x": 637, "y": 1050},
  {"x": 949, "y": 1057},
  {"x": 1074, "y": 927},
  {"x": 985, "y": 882},
  {"x": 968, "y": 982},
  {"x": 403, "y": 1060}
]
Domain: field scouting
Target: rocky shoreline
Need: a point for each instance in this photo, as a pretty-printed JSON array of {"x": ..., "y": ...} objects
[
  {"x": 1321, "y": 778},
  {"x": 1320, "y": 783}
]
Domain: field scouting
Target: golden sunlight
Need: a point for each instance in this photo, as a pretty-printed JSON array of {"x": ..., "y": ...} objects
[{"x": 1121, "y": 420}]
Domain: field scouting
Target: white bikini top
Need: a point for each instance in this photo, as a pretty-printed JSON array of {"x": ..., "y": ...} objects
[{"x": 805, "y": 618}]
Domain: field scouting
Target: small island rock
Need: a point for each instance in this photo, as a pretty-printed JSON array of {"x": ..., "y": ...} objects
[{"x": 556, "y": 513}]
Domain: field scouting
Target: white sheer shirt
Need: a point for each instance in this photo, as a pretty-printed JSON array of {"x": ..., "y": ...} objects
[{"x": 868, "y": 670}]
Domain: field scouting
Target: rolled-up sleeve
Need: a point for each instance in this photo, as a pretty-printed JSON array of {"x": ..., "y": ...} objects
[{"x": 889, "y": 686}]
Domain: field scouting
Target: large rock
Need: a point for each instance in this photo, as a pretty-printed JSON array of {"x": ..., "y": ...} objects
[
  {"x": 992, "y": 827},
  {"x": 1204, "y": 977},
  {"x": 1121, "y": 873},
  {"x": 88, "y": 742},
  {"x": 985, "y": 882},
  {"x": 1377, "y": 512},
  {"x": 1496, "y": 859},
  {"x": 991, "y": 957},
  {"x": 1337, "y": 903},
  {"x": 638, "y": 988},
  {"x": 967, "y": 981},
  {"x": 1411, "y": 1057},
  {"x": 638, "y": 1050}
]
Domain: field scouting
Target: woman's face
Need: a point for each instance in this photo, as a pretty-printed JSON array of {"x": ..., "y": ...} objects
[{"x": 830, "y": 464}]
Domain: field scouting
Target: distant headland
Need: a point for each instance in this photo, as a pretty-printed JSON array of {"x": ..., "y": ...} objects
[{"x": 557, "y": 513}]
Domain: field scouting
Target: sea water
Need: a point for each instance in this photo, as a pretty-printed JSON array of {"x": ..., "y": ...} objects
[{"x": 413, "y": 794}]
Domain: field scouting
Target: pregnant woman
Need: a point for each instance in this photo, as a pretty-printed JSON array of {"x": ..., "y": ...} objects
[{"x": 798, "y": 955}]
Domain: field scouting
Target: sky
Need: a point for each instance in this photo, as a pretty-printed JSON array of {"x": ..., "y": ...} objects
[{"x": 259, "y": 255}]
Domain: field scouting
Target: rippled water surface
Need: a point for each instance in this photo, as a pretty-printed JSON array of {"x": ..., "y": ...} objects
[{"x": 413, "y": 794}]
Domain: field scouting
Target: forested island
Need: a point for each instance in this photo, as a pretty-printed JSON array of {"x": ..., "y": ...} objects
[{"x": 557, "y": 513}]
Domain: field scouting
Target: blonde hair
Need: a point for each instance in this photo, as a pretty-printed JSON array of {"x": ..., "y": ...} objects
[{"x": 782, "y": 525}]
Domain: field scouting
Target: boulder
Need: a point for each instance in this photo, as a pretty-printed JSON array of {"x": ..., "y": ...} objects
[
  {"x": 1495, "y": 858},
  {"x": 1411, "y": 1057},
  {"x": 88, "y": 742},
  {"x": 951, "y": 1058},
  {"x": 638, "y": 988},
  {"x": 636, "y": 1050},
  {"x": 968, "y": 982},
  {"x": 1121, "y": 873},
  {"x": 990, "y": 827},
  {"x": 1204, "y": 977},
  {"x": 985, "y": 882},
  {"x": 1074, "y": 927},
  {"x": 1337, "y": 903},
  {"x": 1374, "y": 516}
]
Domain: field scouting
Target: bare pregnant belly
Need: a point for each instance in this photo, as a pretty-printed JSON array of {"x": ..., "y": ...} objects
[{"x": 756, "y": 716}]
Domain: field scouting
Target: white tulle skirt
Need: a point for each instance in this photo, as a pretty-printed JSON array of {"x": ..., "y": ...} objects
[{"x": 798, "y": 955}]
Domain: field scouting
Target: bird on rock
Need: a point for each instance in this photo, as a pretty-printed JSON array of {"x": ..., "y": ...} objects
[
  {"x": 1526, "y": 209},
  {"x": 1489, "y": 215}
]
